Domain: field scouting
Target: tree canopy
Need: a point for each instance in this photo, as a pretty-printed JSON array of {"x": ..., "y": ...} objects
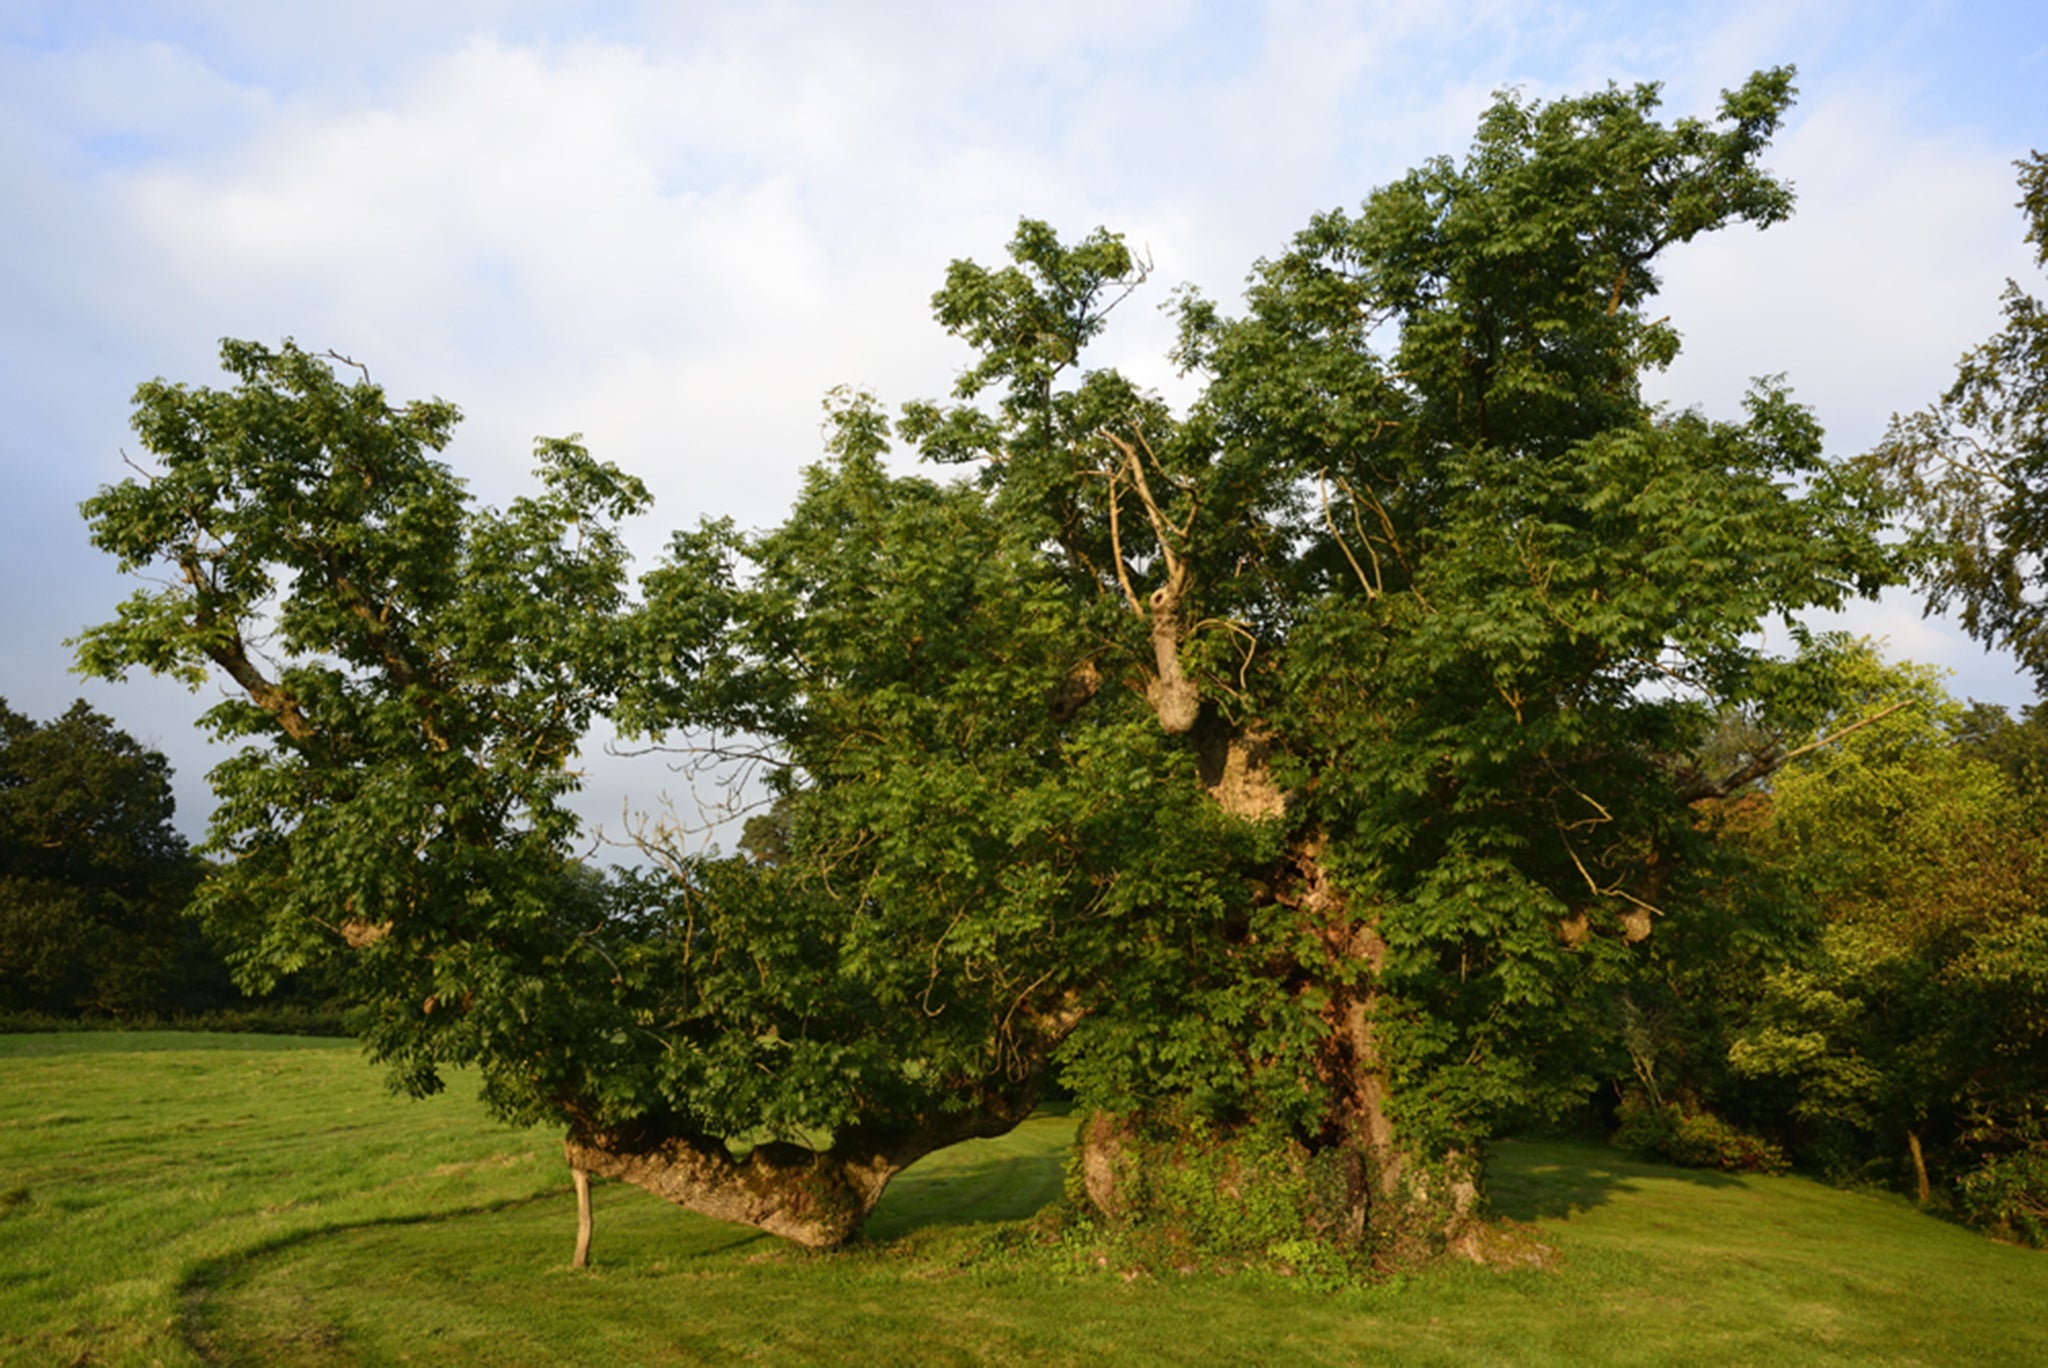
[
  {"x": 1296, "y": 777},
  {"x": 1917, "y": 1030},
  {"x": 92, "y": 873}
]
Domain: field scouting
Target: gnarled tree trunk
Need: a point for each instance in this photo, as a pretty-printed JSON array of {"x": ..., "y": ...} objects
[
  {"x": 1394, "y": 1196},
  {"x": 817, "y": 1197},
  {"x": 1392, "y": 1193}
]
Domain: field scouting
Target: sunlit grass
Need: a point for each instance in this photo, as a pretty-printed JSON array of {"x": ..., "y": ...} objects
[
  {"x": 141, "y": 1158},
  {"x": 258, "y": 1201}
]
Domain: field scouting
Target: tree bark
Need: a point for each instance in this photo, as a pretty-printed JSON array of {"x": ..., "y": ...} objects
[
  {"x": 1392, "y": 1190},
  {"x": 1174, "y": 698},
  {"x": 1396, "y": 1190},
  {"x": 819, "y": 1198},
  {"x": 1923, "y": 1190},
  {"x": 583, "y": 1222}
]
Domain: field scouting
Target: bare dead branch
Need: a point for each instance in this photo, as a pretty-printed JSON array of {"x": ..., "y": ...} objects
[
  {"x": 1857, "y": 726},
  {"x": 1153, "y": 513},
  {"x": 1116, "y": 550},
  {"x": 358, "y": 367},
  {"x": 1371, "y": 586},
  {"x": 1615, "y": 891}
]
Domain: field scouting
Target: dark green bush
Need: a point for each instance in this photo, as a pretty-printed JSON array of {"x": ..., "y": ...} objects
[
  {"x": 2008, "y": 1195},
  {"x": 1693, "y": 1138}
]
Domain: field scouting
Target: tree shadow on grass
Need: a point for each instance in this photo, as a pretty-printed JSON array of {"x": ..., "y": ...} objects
[
  {"x": 635, "y": 1233},
  {"x": 974, "y": 1183},
  {"x": 966, "y": 1191},
  {"x": 200, "y": 1288},
  {"x": 987, "y": 1181},
  {"x": 1535, "y": 1180}
]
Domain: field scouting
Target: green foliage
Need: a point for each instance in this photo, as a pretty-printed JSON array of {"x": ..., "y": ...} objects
[
  {"x": 2008, "y": 1195},
  {"x": 1440, "y": 576},
  {"x": 1505, "y": 563},
  {"x": 1692, "y": 1138},
  {"x": 396, "y": 800},
  {"x": 2018, "y": 748},
  {"x": 93, "y": 876},
  {"x": 1189, "y": 1195},
  {"x": 956, "y": 865},
  {"x": 1921, "y": 1015}
]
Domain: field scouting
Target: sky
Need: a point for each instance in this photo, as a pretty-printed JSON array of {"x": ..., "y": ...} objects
[{"x": 673, "y": 227}]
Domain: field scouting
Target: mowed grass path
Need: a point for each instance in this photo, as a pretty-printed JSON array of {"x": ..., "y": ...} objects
[{"x": 183, "y": 1199}]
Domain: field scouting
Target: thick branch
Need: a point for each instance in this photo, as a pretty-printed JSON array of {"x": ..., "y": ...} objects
[
  {"x": 1697, "y": 786},
  {"x": 1174, "y": 698},
  {"x": 818, "y": 1198},
  {"x": 1165, "y": 531},
  {"x": 1116, "y": 551},
  {"x": 388, "y": 642},
  {"x": 233, "y": 657},
  {"x": 226, "y": 649}
]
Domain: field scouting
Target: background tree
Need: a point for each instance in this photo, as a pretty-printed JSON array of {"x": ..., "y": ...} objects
[
  {"x": 93, "y": 876},
  {"x": 1972, "y": 474},
  {"x": 1972, "y": 469},
  {"x": 1913, "y": 1032}
]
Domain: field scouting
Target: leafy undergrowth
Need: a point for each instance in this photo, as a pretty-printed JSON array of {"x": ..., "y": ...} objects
[{"x": 259, "y": 1201}]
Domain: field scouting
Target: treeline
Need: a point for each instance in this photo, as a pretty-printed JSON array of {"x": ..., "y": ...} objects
[
  {"x": 94, "y": 881},
  {"x": 1874, "y": 1012}
]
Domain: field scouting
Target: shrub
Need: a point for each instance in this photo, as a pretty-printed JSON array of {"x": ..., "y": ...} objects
[
  {"x": 1179, "y": 1193},
  {"x": 1693, "y": 1138},
  {"x": 2008, "y": 1195}
]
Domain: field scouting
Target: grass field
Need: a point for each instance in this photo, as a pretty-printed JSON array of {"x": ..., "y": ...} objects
[{"x": 241, "y": 1199}]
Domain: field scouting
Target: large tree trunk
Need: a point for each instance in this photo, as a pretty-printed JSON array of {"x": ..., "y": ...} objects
[
  {"x": 816, "y": 1197},
  {"x": 1395, "y": 1198},
  {"x": 1397, "y": 1201}
]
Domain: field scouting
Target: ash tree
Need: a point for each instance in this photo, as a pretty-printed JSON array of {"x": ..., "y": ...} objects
[
  {"x": 410, "y": 675},
  {"x": 1295, "y": 776}
]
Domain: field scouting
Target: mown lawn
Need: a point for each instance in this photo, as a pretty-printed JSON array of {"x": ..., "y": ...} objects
[{"x": 182, "y": 1199}]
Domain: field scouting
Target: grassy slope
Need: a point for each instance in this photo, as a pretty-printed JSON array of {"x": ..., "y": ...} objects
[{"x": 267, "y": 1198}]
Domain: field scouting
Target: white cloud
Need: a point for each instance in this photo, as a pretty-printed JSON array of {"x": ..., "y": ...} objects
[{"x": 1891, "y": 266}]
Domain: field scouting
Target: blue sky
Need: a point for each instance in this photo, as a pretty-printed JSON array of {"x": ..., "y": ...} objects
[{"x": 673, "y": 227}]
